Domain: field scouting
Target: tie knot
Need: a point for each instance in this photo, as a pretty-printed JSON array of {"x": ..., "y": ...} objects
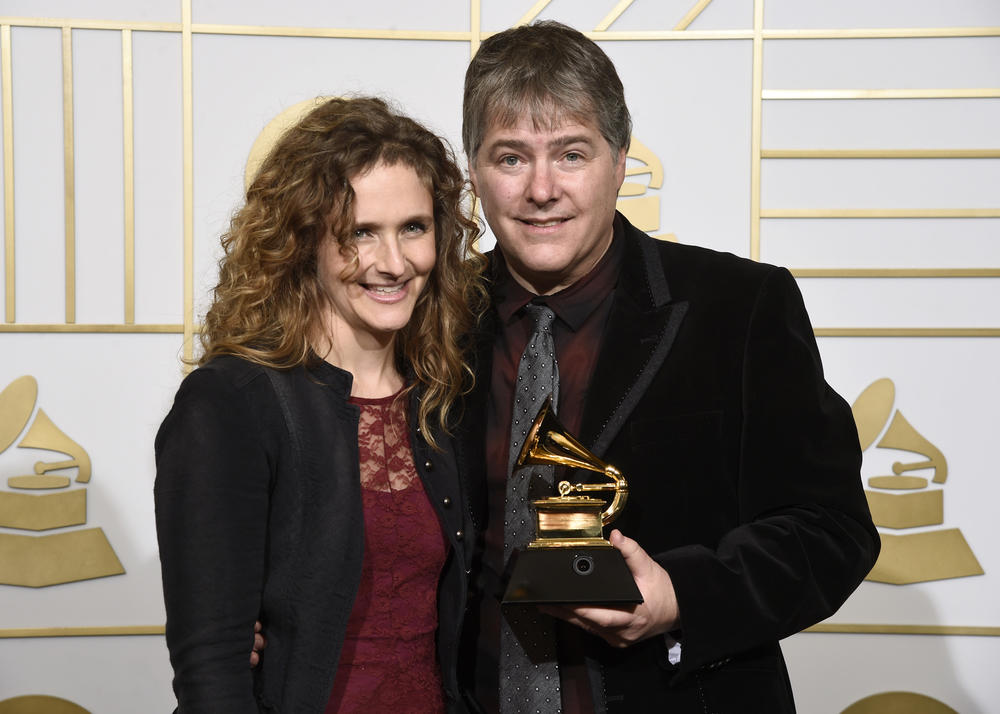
[{"x": 541, "y": 315}]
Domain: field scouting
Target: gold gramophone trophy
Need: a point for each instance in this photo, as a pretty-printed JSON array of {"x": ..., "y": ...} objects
[{"x": 570, "y": 561}]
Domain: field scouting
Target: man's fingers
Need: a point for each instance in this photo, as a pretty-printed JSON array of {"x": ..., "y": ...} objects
[
  {"x": 635, "y": 557},
  {"x": 590, "y": 617}
]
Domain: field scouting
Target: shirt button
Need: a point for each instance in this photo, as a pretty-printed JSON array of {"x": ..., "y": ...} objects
[
  {"x": 446, "y": 502},
  {"x": 459, "y": 535}
]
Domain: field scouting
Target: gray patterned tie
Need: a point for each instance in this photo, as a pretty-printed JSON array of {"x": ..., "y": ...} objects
[{"x": 529, "y": 675}]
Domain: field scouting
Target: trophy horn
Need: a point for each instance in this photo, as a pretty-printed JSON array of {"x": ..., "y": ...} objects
[{"x": 548, "y": 443}]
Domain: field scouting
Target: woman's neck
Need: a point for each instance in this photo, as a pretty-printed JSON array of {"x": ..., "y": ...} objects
[
  {"x": 372, "y": 383},
  {"x": 373, "y": 365}
]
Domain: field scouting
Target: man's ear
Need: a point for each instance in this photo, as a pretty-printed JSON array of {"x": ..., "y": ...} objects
[
  {"x": 473, "y": 179},
  {"x": 620, "y": 168}
]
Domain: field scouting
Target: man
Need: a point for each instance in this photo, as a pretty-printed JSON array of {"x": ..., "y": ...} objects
[{"x": 696, "y": 373}]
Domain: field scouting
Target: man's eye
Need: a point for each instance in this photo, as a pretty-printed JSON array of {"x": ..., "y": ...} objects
[
  {"x": 573, "y": 156},
  {"x": 509, "y": 161}
]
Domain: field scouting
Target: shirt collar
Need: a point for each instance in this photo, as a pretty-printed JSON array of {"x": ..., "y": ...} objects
[{"x": 573, "y": 304}]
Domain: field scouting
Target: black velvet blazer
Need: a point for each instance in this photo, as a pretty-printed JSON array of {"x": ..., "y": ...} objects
[
  {"x": 744, "y": 474},
  {"x": 259, "y": 516}
]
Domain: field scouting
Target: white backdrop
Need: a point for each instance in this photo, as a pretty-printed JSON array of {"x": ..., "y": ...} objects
[{"x": 857, "y": 143}]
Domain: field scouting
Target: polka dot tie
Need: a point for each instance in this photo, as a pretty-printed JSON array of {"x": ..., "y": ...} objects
[{"x": 529, "y": 675}]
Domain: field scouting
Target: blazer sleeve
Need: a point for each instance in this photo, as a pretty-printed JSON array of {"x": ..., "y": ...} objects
[
  {"x": 211, "y": 495},
  {"x": 805, "y": 538}
]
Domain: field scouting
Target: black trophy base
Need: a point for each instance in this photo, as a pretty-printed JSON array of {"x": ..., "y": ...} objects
[{"x": 588, "y": 574}]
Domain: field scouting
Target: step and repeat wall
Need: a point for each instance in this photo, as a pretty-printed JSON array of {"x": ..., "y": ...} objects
[{"x": 856, "y": 143}]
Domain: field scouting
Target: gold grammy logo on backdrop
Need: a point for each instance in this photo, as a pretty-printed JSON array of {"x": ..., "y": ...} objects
[
  {"x": 44, "y": 501},
  {"x": 642, "y": 211},
  {"x": 888, "y": 702},
  {"x": 904, "y": 501},
  {"x": 40, "y": 704}
]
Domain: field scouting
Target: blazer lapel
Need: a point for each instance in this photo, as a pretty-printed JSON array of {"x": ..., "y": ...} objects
[{"x": 641, "y": 330}]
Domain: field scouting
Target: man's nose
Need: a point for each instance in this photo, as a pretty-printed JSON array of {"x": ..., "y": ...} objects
[{"x": 543, "y": 184}]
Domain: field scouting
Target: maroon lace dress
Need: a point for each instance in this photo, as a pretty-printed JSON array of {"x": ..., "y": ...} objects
[{"x": 388, "y": 662}]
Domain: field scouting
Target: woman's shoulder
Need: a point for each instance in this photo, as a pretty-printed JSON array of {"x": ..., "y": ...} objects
[
  {"x": 229, "y": 368},
  {"x": 218, "y": 386},
  {"x": 262, "y": 394}
]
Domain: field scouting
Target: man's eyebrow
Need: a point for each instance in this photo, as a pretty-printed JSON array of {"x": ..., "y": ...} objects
[
  {"x": 558, "y": 142},
  {"x": 515, "y": 144},
  {"x": 570, "y": 139}
]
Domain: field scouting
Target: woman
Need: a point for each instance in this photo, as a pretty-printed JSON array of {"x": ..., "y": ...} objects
[{"x": 307, "y": 475}]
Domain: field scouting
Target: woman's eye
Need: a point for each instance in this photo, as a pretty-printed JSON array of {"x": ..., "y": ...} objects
[
  {"x": 359, "y": 233},
  {"x": 415, "y": 227}
]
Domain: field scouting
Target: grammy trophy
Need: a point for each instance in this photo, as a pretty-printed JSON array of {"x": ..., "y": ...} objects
[{"x": 570, "y": 561}]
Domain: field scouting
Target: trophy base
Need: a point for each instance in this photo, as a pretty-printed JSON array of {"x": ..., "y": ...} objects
[{"x": 587, "y": 574}]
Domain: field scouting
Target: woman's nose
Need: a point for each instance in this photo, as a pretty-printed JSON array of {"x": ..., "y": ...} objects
[{"x": 389, "y": 256}]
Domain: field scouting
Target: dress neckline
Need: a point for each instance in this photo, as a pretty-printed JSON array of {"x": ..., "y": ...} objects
[{"x": 376, "y": 401}]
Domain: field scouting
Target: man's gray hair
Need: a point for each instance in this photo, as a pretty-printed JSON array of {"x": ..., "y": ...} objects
[{"x": 547, "y": 71}]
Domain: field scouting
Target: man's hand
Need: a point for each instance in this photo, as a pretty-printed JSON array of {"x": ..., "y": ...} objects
[
  {"x": 259, "y": 643},
  {"x": 623, "y": 626}
]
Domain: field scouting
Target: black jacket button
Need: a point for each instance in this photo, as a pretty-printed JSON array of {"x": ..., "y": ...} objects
[
  {"x": 459, "y": 535},
  {"x": 429, "y": 465},
  {"x": 446, "y": 502}
]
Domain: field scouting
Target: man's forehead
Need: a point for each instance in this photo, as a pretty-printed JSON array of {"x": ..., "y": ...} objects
[{"x": 533, "y": 123}]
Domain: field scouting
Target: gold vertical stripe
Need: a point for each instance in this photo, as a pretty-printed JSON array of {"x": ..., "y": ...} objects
[
  {"x": 8, "y": 173},
  {"x": 615, "y": 13},
  {"x": 128, "y": 170},
  {"x": 477, "y": 34},
  {"x": 69, "y": 174},
  {"x": 534, "y": 12},
  {"x": 475, "y": 26},
  {"x": 755, "y": 129},
  {"x": 188, "y": 110},
  {"x": 692, "y": 14}
]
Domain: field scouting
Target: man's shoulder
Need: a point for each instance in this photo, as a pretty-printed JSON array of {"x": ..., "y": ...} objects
[
  {"x": 694, "y": 270},
  {"x": 699, "y": 257}
]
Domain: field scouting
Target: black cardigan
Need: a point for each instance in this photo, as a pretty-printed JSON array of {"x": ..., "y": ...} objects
[{"x": 259, "y": 516}]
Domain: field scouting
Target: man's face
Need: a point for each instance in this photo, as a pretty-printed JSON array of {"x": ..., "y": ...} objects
[{"x": 549, "y": 196}]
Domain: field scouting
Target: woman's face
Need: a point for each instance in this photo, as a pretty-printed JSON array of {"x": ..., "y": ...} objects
[{"x": 393, "y": 233}]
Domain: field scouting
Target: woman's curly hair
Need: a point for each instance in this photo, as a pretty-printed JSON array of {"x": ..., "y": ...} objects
[{"x": 269, "y": 302}]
